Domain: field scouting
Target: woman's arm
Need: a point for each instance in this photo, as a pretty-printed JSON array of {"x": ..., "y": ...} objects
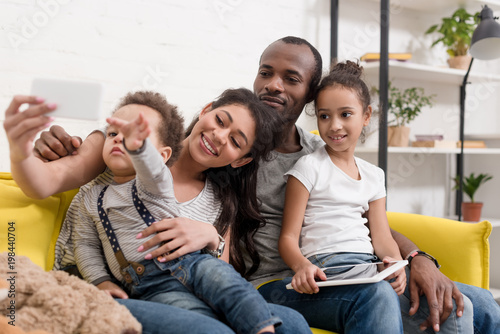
[
  {"x": 38, "y": 179},
  {"x": 296, "y": 197}
]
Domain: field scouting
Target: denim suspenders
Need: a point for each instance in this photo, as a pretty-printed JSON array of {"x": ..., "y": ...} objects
[{"x": 106, "y": 224}]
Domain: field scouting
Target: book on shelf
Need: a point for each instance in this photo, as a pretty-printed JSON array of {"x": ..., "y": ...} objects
[
  {"x": 472, "y": 144},
  {"x": 429, "y": 137},
  {"x": 372, "y": 56},
  {"x": 435, "y": 143}
]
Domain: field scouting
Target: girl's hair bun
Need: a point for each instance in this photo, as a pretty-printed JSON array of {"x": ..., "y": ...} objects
[{"x": 348, "y": 67}]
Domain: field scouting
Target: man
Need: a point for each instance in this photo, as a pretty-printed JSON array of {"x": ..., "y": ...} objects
[
  {"x": 289, "y": 71},
  {"x": 284, "y": 83}
]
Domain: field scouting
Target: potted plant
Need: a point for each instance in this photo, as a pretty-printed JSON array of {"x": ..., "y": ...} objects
[
  {"x": 403, "y": 107},
  {"x": 456, "y": 33},
  {"x": 471, "y": 210}
]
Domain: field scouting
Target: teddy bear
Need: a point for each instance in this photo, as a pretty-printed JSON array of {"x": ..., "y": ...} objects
[
  {"x": 5, "y": 326},
  {"x": 58, "y": 303}
]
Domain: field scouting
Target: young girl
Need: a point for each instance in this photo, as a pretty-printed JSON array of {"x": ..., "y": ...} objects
[{"x": 335, "y": 202}]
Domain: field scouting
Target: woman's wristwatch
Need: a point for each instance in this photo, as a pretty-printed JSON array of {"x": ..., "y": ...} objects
[
  {"x": 217, "y": 253},
  {"x": 421, "y": 253}
]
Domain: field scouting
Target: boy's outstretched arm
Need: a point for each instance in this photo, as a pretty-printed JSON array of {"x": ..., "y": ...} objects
[{"x": 134, "y": 132}]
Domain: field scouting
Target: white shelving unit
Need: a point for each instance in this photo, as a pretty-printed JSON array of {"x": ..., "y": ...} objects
[
  {"x": 408, "y": 70},
  {"x": 429, "y": 150},
  {"x": 442, "y": 5},
  {"x": 424, "y": 73}
]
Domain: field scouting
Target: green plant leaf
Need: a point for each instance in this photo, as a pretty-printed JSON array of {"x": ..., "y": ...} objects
[
  {"x": 455, "y": 31},
  {"x": 404, "y": 106},
  {"x": 471, "y": 183}
]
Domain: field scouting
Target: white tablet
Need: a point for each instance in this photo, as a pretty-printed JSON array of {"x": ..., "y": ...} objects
[
  {"x": 74, "y": 99},
  {"x": 359, "y": 273}
]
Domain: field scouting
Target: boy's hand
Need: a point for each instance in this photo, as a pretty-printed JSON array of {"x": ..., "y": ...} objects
[
  {"x": 22, "y": 127},
  {"x": 304, "y": 279},
  {"x": 112, "y": 289},
  {"x": 399, "y": 277},
  {"x": 134, "y": 132}
]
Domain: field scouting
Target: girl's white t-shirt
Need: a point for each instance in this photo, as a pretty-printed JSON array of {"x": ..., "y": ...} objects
[{"x": 333, "y": 220}]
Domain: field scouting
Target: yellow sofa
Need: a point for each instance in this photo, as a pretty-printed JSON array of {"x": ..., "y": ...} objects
[{"x": 30, "y": 227}]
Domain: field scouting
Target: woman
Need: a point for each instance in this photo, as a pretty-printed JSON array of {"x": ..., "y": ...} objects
[{"x": 212, "y": 146}]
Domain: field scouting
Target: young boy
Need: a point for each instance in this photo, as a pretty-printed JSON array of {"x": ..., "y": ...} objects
[{"x": 144, "y": 133}]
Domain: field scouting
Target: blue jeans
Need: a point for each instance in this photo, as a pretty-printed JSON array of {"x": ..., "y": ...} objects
[
  {"x": 486, "y": 309},
  {"x": 453, "y": 324},
  {"x": 196, "y": 280},
  {"x": 363, "y": 308},
  {"x": 160, "y": 318}
]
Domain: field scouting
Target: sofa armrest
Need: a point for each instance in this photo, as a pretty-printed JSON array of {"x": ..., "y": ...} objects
[
  {"x": 30, "y": 227},
  {"x": 462, "y": 249}
]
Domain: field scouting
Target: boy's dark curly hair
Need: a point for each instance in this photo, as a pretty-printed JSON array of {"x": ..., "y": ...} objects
[{"x": 171, "y": 127}]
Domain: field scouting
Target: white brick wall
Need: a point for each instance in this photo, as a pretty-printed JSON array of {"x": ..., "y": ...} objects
[{"x": 196, "y": 48}]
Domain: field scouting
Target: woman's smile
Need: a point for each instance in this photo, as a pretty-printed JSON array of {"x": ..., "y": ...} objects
[{"x": 207, "y": 144}]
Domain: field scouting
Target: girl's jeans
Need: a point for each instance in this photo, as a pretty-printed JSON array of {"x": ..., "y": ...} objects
[{"x": 363, "y": 308}]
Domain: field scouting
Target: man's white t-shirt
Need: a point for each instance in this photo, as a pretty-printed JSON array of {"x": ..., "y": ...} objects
[{"x": 333, "y": 220}]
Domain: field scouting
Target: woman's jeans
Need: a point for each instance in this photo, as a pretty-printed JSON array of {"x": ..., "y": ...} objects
[{"x": 196, "y": 280}]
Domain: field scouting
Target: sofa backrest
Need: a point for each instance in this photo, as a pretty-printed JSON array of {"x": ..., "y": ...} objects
[{"x": 31, "y": 227}]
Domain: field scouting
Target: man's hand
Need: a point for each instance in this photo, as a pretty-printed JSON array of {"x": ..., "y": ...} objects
[
  {"x": 112, "y": 289},
  {"x": 426, "y": 279},
  {"x": 178, "y": 236},
  {"x": 21, "y": 127},
  {"x": 55, "y": 144}
]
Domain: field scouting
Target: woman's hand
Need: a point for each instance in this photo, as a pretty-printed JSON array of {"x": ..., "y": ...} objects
[
  {"x": 55, "y": 144},
  {"x": 112, "y": 289},
  {"x": 304, "y": 279},
  {"x": 22, "y": 127},
  {"x": 179, "y": 236},
  {"x": 398, "y": 278}
]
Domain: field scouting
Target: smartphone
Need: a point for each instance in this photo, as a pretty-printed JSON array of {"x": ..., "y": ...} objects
[{"x": 74, "y": 99}]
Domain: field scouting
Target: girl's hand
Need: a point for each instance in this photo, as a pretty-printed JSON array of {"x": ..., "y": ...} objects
[
  {"x": 304, "y": 279},
  {"x": 22, "y": 127},
  {"x": 134, "y": 132},
  {"x": 180, "y": 236},
  {"x": 112, "y": 289},
  {"x": 399, "y": 277}
]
